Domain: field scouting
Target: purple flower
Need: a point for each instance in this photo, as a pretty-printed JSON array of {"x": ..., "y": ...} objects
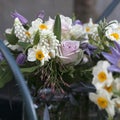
[
  {"x": 70, "y": 52},
  {"x": 41, "y": 14},
  {"x": 113, "y": 58},
  {"x": 1, "y": 56},
  {"x": 88, "y": 48},
  {"x": 22, "y": 19},
  {"x": 77, "y": 22},
  {"x": 21, "y": 59}
]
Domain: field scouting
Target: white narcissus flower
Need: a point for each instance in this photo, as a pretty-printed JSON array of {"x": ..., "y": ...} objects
[
  {"x": 103, "y": 100},
  {"x": 38, "y": 53},
  {"x": 35, "y": 25},
  {"x": 117, "y": 103},
  {"x": 112, "y": 25},
  {"x": 116, "y": 84},
  {"x": 113, "y": 35},
  {"x": 76, "y": 31},
  {"x": 113, "y": 31},
  {"x": 90, "y": 28},
  {"x": 101, "y": 76}
]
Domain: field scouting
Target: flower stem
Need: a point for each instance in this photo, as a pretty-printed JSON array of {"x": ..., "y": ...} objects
[{"x": 110, "y": 118}]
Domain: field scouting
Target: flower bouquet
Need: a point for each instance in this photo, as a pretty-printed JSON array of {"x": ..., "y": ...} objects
[{"x": 62, "y": 58}]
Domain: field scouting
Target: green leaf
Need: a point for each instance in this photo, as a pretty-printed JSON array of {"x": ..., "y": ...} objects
[
  {"x": 36, "y": 38},
  {"x": 29, "y": 69},
  {"x": 5, "y": 76},
  {"x": 24, "y": 45},
  {"x": 12, "y": 39},
  {"x": 3, "y": 63},
  {"x": 57, "y": 27}
]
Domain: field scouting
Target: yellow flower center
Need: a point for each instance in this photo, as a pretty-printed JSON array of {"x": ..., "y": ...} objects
[
  {"x": 43, "y": 26},
  {"x": 27, "y": 33},
  {"x": 87, "y": 29},
  {"x": 102, "y": 102},
  {"x": 39, "y": 55},
  {"x": 115, "y": 35},
  {"x": 102, "y": 76},
  {"x": 109, "y": 89}
]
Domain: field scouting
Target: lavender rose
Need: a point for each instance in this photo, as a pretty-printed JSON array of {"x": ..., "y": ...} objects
[{"x": 70, "y": 52}]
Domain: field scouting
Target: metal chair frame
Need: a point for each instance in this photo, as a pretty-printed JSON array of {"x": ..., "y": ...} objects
[{"x": 27, "y": 99}]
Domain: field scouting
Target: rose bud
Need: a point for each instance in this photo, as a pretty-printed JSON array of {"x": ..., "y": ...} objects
[{"x": 70, "y": 52}]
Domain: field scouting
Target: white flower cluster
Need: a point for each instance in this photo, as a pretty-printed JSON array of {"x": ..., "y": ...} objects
[
  {"x": 105, "y": 85},
  {"x": 113, "y": 31},
  {"x": 47, "y": 44},
  {"x": 72, "y": 30},
  {"x": 20, "y": 31}
]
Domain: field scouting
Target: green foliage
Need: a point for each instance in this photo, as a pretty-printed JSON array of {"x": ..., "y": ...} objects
[
  {"x": 24, "y": 45},
  {"x": 12, "y": 39},
  {"x": 101, "y": 41},
  {"x": 5, "y": 74},
  {"x": 29, "y": 69},
  {"x": 36, "y": 38},
  {"x": 57, "y": 27}
]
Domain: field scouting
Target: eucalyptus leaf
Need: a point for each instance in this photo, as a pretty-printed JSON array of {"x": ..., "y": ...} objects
[
  {"x": 57, "y": 27},
  {"x": 12, "y": 39},
  {"x": 36, "y": 38},
  {"x": 29, "y": 69}
]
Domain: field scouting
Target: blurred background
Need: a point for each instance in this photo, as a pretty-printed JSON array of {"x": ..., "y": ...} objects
[{"x": 82, "y": 9}]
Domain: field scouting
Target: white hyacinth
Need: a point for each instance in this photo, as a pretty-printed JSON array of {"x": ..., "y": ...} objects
[{"x": 20, "y": 31}]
